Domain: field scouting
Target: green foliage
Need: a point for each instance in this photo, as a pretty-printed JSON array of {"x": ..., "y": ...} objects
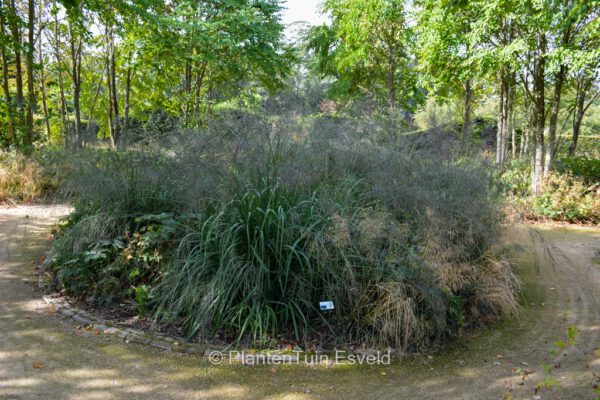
[
  {"x": 435, "y": 115},
  {"x": 587, "y": 169},
  {"x": 516, "y": 181},
  {"x": 566, "y": 196},
  {"x": 571, "y": 340},
  {"x": 119, "y": 258},
  {"x": 245, "y": 267},
  {"x": 547, "y": 383},
  {"x": 443, "y": 45},
  {"x": 367, "y": 50},
  {"x": 141, "y": 297}
]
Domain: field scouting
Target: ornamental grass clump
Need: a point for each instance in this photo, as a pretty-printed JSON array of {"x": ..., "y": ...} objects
[{"x": 240, "y": 230}]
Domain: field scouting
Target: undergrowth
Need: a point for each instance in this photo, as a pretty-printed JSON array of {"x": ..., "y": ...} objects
[{"x": 571, "y": 193}]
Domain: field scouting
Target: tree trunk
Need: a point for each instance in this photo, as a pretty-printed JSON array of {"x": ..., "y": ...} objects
[
  {"x": 199, "y": 83},
  {"x": 16, "y": 41},
  {"x": 539, "y": 70},
  {"x": 29, "y": 61},
  {"x": 524, "y": 127},
  {"x": 583, "y": 86},
  {"x": 124, "y": 131},
  {"x": 558, "y": 84},
  {"x": 44, "y": 96},
  {"x": 511, "y": 119},
  {"x": 76, "y": 50},
  {"x": 513, "y": 144},
  {"x": 114, "y": 123},
  {"x": 577, "y": 118},
  {"x": 523, "y": 144},
  {"x": 94, "y": 102},
  {"x": 61, "y": 86},
  {"x": 188, "y": 89},
  {"x": 501, "y": 120},
  {"x": 5, "y": 87},
  {"x": 467, "y": 116},
  {"x": 391, "y": 84},
  {"x": 14, "y": 25},
  {"x": 114, "y": 93}
]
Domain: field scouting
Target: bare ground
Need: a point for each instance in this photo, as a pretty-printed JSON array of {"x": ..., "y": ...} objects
[{"x": 43, "y": 356}]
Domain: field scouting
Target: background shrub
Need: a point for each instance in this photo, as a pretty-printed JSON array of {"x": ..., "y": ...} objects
[{"x": 588, "y": 169}]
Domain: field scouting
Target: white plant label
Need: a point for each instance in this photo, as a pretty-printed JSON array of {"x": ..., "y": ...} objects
[{"x": 326, "y": 305}]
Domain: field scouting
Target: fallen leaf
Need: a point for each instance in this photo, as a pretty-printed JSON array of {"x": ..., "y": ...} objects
[
  {"x": 38, "y": 365},
  {"x": 273, "y": 370}
]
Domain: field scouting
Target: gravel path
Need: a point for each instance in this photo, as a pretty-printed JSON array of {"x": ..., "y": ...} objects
[{"x": 45, "y": 356}]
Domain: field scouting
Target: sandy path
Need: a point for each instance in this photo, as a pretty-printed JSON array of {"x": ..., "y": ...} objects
[{"x": 76, "y": 365}]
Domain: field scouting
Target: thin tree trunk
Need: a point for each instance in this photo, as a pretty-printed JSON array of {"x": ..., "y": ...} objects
[
  {"x": 583, "y": 86},
  {"x": 503, "y": 117},
  {"x": 530, "y": 131},
  {"x": 511, "y": 119},
  {"x": 44, "y": 97},
  {"x": 5, "y": 87},
  {"x": 16, "y": 42},
  {"x": 111, "y": 117},
  {"x": 29, "y": 61},
  {"x": 391, "y": 83},
  {"x": 524, "y": 140},
  {"x": 467, "y": 116},
  {"x": 558, "y": 84},
  {"x": 111, "y": 125},
  {"x": 76, "y": 48},
  {"x": 539, "y": 113},
  {"x": 16, "y": 36},
  {"x": 524, "y": 126},
  {"x": 501, "y": 120},
  {"x": 188, "y": 90},
  {"x": 94, "y": 102},
  {"x": 199, "y": 83},
  {"x": 513, "y": 143},
  {"x": 125, "y": 129},
  {"x": 112, "y": 90},
  {"x": 577, "y": 118},
  {"x": 61, "y": 86}
]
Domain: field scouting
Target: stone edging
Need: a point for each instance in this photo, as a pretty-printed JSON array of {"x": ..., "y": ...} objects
[
  {"x": 128, "y": 335},
  {"x": 214, "y": 354}
]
